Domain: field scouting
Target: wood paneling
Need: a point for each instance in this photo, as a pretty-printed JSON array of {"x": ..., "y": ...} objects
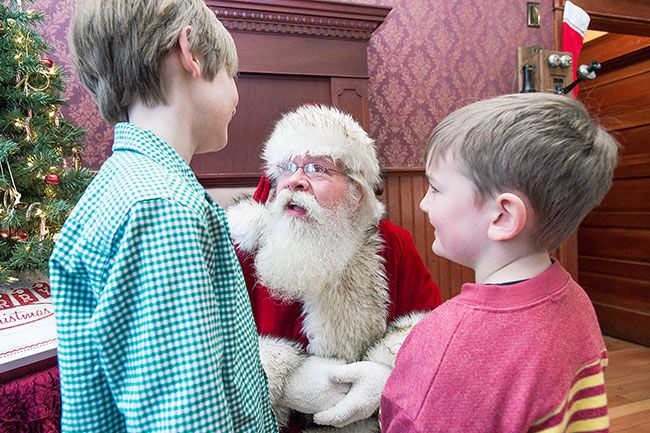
[
  {"x": 614, "y": 239},
  {"x": 254, "y": 121},
  {"x": 612, "y": 242},
  {"x": 404, "y": 190},
  {"x": 352, "y": 95},
  {"x": 610, "y": 47},
  {"x": 291, "y": 52}
]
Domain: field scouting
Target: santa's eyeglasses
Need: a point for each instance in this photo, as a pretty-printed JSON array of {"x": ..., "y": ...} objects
[{"x": 312, "y": 170}]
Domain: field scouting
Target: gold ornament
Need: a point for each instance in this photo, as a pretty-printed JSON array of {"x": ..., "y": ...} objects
[
  {"x": 55, "y": 115},
  {"x": 11, "y": 196},
  {"x": 50, "y": 191},
  {"x": 19, "y": 123},
  {"x": 46, "y": 73},
  {"x": 76, "y": 157},
  {"x": 35, "y": 210},
  {"x": 11, "y": 199}
]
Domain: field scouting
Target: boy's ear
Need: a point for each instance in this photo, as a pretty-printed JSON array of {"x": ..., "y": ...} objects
[
  {"x": 189, "y": 62},
  {"x": 510, "y": 217}
]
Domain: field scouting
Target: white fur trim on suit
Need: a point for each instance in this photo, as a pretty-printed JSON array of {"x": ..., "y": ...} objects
[
  {"x": 345, "y": 320},
  {"x": 280, "y": 357},
  {"x": 385, "y": 351},
  {"x": 369, "y": 425},
  {"x": 247, "y": 221}
]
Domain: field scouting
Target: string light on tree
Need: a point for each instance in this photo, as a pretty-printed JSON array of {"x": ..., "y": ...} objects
[{"x": 38, "y": 188}]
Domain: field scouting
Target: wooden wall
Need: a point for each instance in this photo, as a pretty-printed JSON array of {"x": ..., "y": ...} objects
[
  {"x": 291, "y": 52},
  {"x": 404, "y": 189},
  {"x": 614, "y": 240}
]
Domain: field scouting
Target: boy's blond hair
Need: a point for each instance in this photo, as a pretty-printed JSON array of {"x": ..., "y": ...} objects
[
  {"x": 118, "y": 47},
  {"x": 542, "y": 145}
]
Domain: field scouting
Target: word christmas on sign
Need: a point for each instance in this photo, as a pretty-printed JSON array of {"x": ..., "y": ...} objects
[{"x": 27, "y": 327}]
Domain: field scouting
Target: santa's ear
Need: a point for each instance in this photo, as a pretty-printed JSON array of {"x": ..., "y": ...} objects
[{"x": 509, "y": 218}]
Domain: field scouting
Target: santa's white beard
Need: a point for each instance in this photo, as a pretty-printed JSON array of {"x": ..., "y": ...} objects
[{"x": 299, "y": 257}]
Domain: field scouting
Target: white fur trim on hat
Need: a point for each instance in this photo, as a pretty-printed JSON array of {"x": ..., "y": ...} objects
[{"x": 319, "y": 130}]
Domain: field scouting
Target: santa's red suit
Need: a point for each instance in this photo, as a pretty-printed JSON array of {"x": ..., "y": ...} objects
[
  {"x": 373, "y": 331},
  {"x": 329, "y": 352},
  {"x": 409, "y": 284}
]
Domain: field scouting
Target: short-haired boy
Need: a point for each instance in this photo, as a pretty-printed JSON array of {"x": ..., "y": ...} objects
[
  {"x": 520, "y": 350},
  {"x": 154, "y": 324}
]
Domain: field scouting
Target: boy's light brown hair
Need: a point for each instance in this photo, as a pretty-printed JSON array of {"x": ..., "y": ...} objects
[
  {"x": 544, "y": 146},
  {"x": 118, "y": 46}
]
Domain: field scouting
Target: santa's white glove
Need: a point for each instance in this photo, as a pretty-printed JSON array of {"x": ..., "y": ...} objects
[
  {"x": 367, "y": 380},
  {"x": 309, "y": 388}
]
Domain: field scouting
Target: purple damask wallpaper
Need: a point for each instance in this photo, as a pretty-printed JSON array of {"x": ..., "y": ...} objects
[
  {"x": 431, "y": 57},
  {"x": 428, "y": 58},
  {"x": 81, "y": 109}
]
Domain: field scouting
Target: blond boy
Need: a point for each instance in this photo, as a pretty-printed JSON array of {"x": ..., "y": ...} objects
[
  {"x": 520, "y": 350},
  {"x": 154, "y": 324}
]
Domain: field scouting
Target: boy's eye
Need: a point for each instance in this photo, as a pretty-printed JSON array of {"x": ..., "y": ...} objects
[{"x": 433, "y": 189}]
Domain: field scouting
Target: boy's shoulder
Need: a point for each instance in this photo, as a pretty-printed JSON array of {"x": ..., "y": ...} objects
[
  {"x": 435, "y": 331},
  {"x": 126, "y": 180}
]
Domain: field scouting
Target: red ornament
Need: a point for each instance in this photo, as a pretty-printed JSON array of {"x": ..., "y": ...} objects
[
  {"x": 47, "y": 62},
  {"x": 52, "y": 179},
  {"x": 15, "y": 235}
]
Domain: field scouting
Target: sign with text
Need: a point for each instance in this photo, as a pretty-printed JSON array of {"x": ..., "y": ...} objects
[{"x": 27, "y": 327}]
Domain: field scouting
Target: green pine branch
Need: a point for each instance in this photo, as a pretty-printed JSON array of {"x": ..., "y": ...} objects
[{"x": 39, "y": 184}]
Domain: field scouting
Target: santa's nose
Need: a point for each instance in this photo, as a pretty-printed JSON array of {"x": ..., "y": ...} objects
[{"x": 298, "y": 181}]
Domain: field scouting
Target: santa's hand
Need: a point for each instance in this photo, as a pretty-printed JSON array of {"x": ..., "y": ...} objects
[
  {"x": 309, "y": 388},
  {"x": 367, "y": 380}
]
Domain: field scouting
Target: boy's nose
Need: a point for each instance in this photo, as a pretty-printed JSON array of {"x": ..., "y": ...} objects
[{"x": 423, "y": 205}]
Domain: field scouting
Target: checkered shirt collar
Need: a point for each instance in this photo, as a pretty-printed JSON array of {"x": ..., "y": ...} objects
[{"x": 130, "y": 137}]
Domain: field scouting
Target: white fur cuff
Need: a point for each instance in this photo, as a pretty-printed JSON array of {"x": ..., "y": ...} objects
[
  {"x": 385, "y": 351},
  {"x": 280, "y": 357}
]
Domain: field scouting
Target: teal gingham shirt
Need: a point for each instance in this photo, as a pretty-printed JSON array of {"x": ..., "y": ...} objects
[{"x": 154, "y": 323}]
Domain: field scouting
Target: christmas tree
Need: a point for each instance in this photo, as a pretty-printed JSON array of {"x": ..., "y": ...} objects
[{"x": 41, "y": 177}]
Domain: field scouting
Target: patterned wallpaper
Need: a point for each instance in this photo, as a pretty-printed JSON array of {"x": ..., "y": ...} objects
[
  {"x": 431, "y": 57},
  {"x": 81, "y": 109},
  {"x": 428, "y": 58}
]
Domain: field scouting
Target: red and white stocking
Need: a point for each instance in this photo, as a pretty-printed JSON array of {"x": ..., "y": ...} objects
[{"x": 574, "y": 26}]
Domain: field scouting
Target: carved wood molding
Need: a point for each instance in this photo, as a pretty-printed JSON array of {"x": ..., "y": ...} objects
[
  {"x": 615, "y": 16},
  {"x": 305, "y": 18},
  {"x": 234, "y": 180}
]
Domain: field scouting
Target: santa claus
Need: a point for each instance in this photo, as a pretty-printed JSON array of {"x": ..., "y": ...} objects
[{"x": 334, "y": 287}]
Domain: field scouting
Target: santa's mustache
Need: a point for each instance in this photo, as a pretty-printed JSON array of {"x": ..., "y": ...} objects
[{"x": 302, "y": 199}]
